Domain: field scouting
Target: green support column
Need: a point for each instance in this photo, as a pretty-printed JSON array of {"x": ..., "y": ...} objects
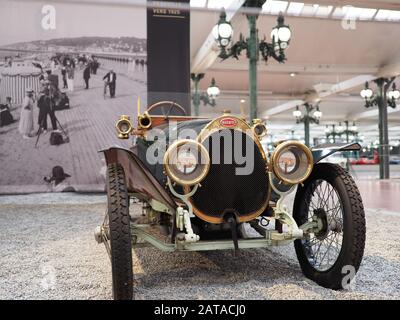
[
  {"x": 383, "y": 130},
  {"x": 306, "y": 120},
  {"x": 347, "y": 141},
  {"x": 307, "y": 131},
  {"x": 334, "y": 134},
  {"x": 196, "y": 98},
  {"x": 252, "y": 52},
  {"x": 196, "y": 94}
]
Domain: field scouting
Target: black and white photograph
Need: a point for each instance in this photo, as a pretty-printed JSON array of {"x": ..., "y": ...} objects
[{"x": 66, "y": 73}]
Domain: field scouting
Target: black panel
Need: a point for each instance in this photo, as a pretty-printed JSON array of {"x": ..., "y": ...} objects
[{"x": 168, "y": 54}]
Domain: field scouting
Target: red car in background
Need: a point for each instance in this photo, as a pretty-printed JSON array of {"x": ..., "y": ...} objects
[{"x": 367, "y": 160}]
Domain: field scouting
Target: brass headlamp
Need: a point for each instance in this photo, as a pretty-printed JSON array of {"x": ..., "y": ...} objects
[
  {"x": 124, "y": 127},
  {"x": 292, "y": 162},
  {"x": 186, "y": 162}
]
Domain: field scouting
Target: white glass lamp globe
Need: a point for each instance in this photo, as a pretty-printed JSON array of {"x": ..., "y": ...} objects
[
  {"x": 222, "y": 33},
  {"x": 297, "y": 113},
  {"x": 213, "y": 91},
  {"x": 394, "y": 94},
  {"x": 284, "y": 34},
  {"x": 280, "y": 35},
  {"x": 224, "y": 42},
  {"x": 284, "y": 45},
  {"x": 225, "y": 30},
  {"x": 366, "y": 93},
  {"x": 318, "y": 114}
]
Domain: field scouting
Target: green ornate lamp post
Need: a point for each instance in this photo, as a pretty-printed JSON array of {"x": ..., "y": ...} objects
[
  {"x": 208, "y": 98},
  {"x": 350, "y": 132},
  {"x": 383, "y": 98},
  {"x": 280, "y": 37},
  {"x": 307, "y": 119},
  {"x": 333, "y": 132}
]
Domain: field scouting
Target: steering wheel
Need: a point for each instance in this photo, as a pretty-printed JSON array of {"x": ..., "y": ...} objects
[{"x": 165, "y": 108}]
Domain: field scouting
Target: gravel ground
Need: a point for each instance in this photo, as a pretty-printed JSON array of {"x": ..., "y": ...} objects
[{"x": 47, "y": 251}]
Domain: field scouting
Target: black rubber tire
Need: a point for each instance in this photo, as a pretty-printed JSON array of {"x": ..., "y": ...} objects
[
  {"x": 353, "y": 242},
  {"x": 120, "y": 234}
]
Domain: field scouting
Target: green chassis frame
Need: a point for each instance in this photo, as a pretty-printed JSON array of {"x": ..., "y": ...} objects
[
  {"x": 142, "y": 232},
  {"x": 142, "y": 236}
]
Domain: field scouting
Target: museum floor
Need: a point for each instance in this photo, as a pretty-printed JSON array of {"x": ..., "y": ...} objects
[{"x": 48, "y": 252}]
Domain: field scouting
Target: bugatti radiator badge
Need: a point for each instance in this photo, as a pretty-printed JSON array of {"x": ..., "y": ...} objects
[
  {"x": 211, "y": 186},
  {"x": 228, "y": 122}
]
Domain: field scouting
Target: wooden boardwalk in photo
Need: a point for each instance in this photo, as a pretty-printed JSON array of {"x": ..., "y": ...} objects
[{"x": 90, "y": 123}]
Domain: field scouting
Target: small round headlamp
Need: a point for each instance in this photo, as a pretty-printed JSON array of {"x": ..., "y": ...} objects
[
  {"x": 124, "y": 127},
  {"x": 292, "y": 162},
  {"x": 186, "y": 162}
]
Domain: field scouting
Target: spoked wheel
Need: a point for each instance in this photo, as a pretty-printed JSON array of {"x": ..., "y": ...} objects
[
  {"x": 116, "y": 233},
  {"x": 330, "y": 198}
]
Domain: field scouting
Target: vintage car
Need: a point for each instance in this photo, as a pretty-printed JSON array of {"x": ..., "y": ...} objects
[{"x": 207, "y": 184}]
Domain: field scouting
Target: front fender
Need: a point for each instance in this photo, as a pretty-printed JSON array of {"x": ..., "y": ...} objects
[
  {"x": 138, "y": 178},
  {"x": 325, "y": 150}
]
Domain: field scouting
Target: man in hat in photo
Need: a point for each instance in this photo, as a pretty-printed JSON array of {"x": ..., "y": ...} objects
[
  {"x": 110, "y": 80},
  {"x": 57, "y": 181},
  {"x": 86, "y": 75},
  {"x": 53, "y": 79},
  {"x": 46, "y": 107},
  {"x": 64, "y": 77}
]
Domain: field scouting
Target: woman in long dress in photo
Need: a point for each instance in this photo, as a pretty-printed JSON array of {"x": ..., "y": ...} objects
[{"x": 26, "y": 121}]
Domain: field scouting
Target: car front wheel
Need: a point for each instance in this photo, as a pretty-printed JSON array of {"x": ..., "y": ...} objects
[
  {"x": 335, "y": 249},
  {"x": 117, "y": 227}
]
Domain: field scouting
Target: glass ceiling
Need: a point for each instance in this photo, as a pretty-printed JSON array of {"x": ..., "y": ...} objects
[{"x": 301, "y": 9}]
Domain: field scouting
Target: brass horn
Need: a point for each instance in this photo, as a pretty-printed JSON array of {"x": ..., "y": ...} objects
[{"x": 144, "y": 121}]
